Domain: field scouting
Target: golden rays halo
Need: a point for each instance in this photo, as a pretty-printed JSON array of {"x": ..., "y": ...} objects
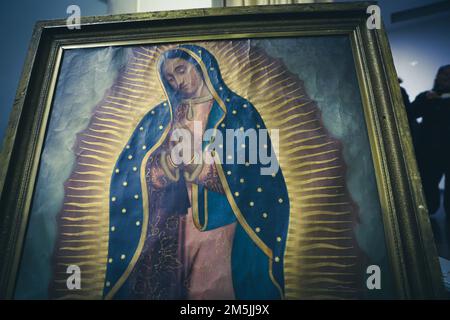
[
  {"x": 83, "y": 222},
  {"x": 321, "y": 259}
]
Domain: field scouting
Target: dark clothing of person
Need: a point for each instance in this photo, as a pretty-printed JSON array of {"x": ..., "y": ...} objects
[
  {"x": 413, "y": 125},
  {"x": 406, "y": 101},
  {"x": 432, "y": 138}
]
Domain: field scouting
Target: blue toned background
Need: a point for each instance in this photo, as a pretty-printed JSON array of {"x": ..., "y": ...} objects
[
  {"x": 17, "y": 19},
  {"x": 326, "y": 66},
  {"x": 419, "y": 45}
]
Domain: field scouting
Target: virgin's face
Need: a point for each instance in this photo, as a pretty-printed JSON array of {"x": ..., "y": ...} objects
[{"x": 182, "y": 76}]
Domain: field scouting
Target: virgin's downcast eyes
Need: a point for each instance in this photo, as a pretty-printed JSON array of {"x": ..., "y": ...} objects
[{"x": 180, "y": 69}]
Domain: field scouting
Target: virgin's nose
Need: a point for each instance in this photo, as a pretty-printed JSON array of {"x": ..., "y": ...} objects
[
  {"x": 176, "y": 83},
  {"x": 181, "y": 84}
]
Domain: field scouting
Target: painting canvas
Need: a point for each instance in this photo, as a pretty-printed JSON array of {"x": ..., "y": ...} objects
[{"x": 278, "y": 198}]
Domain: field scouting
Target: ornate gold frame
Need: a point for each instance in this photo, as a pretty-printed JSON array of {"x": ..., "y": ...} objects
[{"x": 410, "y": 243}]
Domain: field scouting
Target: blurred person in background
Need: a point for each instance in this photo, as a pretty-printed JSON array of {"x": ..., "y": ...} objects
[
  {"x": 432, "y": 139},
  {"x": 413, "y": 124}
]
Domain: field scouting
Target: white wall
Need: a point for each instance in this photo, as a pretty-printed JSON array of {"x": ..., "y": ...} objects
[
  {"x": 121, "y": 6},
  {"x": 129, "y": 6},
  {"x": 17, "y": 19},
  {"x": 419, "y": 49},
  {"x": 419, "y": 46}
]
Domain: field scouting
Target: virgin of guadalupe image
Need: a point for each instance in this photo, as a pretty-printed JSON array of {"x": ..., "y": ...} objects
[
  {"x": 204, "y": 238},
  {"x": 208, "y": 230}
]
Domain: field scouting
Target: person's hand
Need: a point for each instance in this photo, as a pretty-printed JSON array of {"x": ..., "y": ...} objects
[
  {"x": 432, "y": 95},
  {"x": 191, "y": 164},
  {"x": 169, "y": 145},
  {"x": 171, "y": 170},
  {"x": 193, "y": 169}
]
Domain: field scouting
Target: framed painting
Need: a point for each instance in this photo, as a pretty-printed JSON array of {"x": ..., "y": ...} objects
[{"x": 237, "y": 153}]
